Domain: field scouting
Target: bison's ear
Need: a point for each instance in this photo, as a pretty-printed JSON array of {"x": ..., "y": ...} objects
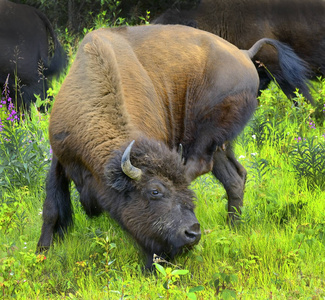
[{"x": 115, "y": 178}]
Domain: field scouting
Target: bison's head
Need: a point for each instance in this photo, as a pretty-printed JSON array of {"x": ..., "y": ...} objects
[{"x": 153, "y": 200}]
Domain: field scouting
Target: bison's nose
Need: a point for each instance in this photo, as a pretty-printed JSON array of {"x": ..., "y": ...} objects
[{"x": 193, "y": 234}]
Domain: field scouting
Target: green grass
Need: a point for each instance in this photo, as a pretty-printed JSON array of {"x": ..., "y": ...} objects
[{"x": 276, "y": 252}]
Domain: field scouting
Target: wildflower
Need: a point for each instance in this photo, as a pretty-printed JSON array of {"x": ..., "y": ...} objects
[
  {"x": 81, "y": 263},
  {"x": 242, "y": 156},
  {"x": 312, "y": 125},
  {"x": 40, "y": 258},
  {"x": 6, "y": 101},
  {"x": 254, "y": 154},
  {"x": 254, "y": 136}
]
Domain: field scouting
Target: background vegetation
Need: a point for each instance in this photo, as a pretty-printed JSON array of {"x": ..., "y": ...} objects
[
  {"x": 78, "y": 14},
  {"x": 276, "y": 252}
]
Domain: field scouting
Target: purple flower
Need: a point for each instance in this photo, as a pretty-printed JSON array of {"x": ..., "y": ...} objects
[{"x": 312, "y": 124}]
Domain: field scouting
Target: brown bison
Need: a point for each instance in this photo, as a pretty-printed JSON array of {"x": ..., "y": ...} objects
[
  {"x": 298, "y": 23},
  {"x": 132, "y": 97},
  {"x": 24, "y": 48}
]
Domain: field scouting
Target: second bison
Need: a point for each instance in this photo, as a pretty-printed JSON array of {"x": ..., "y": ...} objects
[{"x": 298, "y": 23}]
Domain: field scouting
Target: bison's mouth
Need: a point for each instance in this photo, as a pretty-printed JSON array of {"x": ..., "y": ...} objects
[
  {"x": 164, "y": 257},
  {"x": 172, "y": 248},
  {"x": 177, "y": 250}
]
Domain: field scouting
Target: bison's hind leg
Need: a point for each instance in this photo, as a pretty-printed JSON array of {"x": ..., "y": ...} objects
[
  {"x": 232, "y": 175},
  {"x": 57, "y": 209}
]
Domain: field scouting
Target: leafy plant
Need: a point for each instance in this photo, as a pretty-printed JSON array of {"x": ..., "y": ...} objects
[
  {"x": 171, "y": 276},
  {"x": 259, "y": 167},
  {"x": 107, "y": 247},
  {"x": 24, "y": 156},
  {"x": 19, "y": 270},
  {"x": 259, "y": 129},
  {"x": 223, "y": 281},
  {"x": 12, "y": 215},
  {"x": 308, "y": 161}
]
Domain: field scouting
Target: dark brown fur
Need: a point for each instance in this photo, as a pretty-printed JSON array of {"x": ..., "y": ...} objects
[
  {"x": 161, "y": 86},
  {"x": 24, "y": 47},
  {"x": 298, "y": 23}
]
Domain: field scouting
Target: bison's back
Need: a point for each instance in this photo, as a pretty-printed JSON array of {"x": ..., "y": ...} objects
[
  {"x": 298, "y": 23},
  {"x": 187, "y": 71},
  {"x": 157, "y": 81}
]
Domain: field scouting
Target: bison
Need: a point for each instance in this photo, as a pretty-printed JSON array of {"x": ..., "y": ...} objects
[
  {"x": 24, "y": 48},
  {"x": 144, "y": 111},
  {"x": 298, "y": 23}
]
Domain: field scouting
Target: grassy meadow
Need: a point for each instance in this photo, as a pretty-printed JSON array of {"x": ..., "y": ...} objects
[{"x": 277, "y": 251}]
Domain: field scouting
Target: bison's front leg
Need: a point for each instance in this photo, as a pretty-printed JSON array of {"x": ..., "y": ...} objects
[
  {"x": 232, "y": 175},
  {"x": 57, "y": 211}
]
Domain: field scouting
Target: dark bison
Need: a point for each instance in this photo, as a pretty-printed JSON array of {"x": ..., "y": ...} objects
[
  {"x": 161, "y": 87},
  {"x": 298, "y": 23},
  {"x": 24, "y": 48}
]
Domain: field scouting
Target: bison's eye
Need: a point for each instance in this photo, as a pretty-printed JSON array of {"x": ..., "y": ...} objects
[
  {"x": 155, "y": 194},
  {"x": 155, "y": 190}
]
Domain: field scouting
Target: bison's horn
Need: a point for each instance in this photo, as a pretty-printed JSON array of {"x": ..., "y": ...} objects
[
  {"x": 180, "y": 153},
  {"x": 128, "y": 169}
]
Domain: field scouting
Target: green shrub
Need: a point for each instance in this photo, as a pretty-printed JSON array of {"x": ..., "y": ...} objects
[
  {"x": 308, "y": 160},
  {"x": 24, "y": 150}
]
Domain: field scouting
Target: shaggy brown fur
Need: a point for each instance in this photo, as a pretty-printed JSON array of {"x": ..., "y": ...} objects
[
  {"x": 298, "y": 23},
  {"x": 162, "y": 86}
]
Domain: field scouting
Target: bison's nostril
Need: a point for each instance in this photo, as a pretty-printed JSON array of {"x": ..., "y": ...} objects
[{"x": 193, "y": 234}]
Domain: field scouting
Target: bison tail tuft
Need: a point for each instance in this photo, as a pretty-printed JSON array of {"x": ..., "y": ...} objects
[
  {"x": 59, "y": 60},
  {"x": 295, "y": 70}
]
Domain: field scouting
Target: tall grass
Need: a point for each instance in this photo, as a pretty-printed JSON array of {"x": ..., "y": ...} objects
[{"x": 276, "y": 252}]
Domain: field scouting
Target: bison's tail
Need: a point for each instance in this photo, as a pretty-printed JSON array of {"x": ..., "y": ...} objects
[
  {"x": 295, "y": 70},
  {"x": 59, "y": 59}
]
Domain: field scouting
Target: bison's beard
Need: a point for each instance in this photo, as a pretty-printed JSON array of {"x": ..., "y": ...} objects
[
  {"x": 163, "y": 255},
  {"x": 164, "y": 248}
]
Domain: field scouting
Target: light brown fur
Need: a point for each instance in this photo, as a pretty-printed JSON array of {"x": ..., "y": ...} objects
[{"x": 146, "y": 80}]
